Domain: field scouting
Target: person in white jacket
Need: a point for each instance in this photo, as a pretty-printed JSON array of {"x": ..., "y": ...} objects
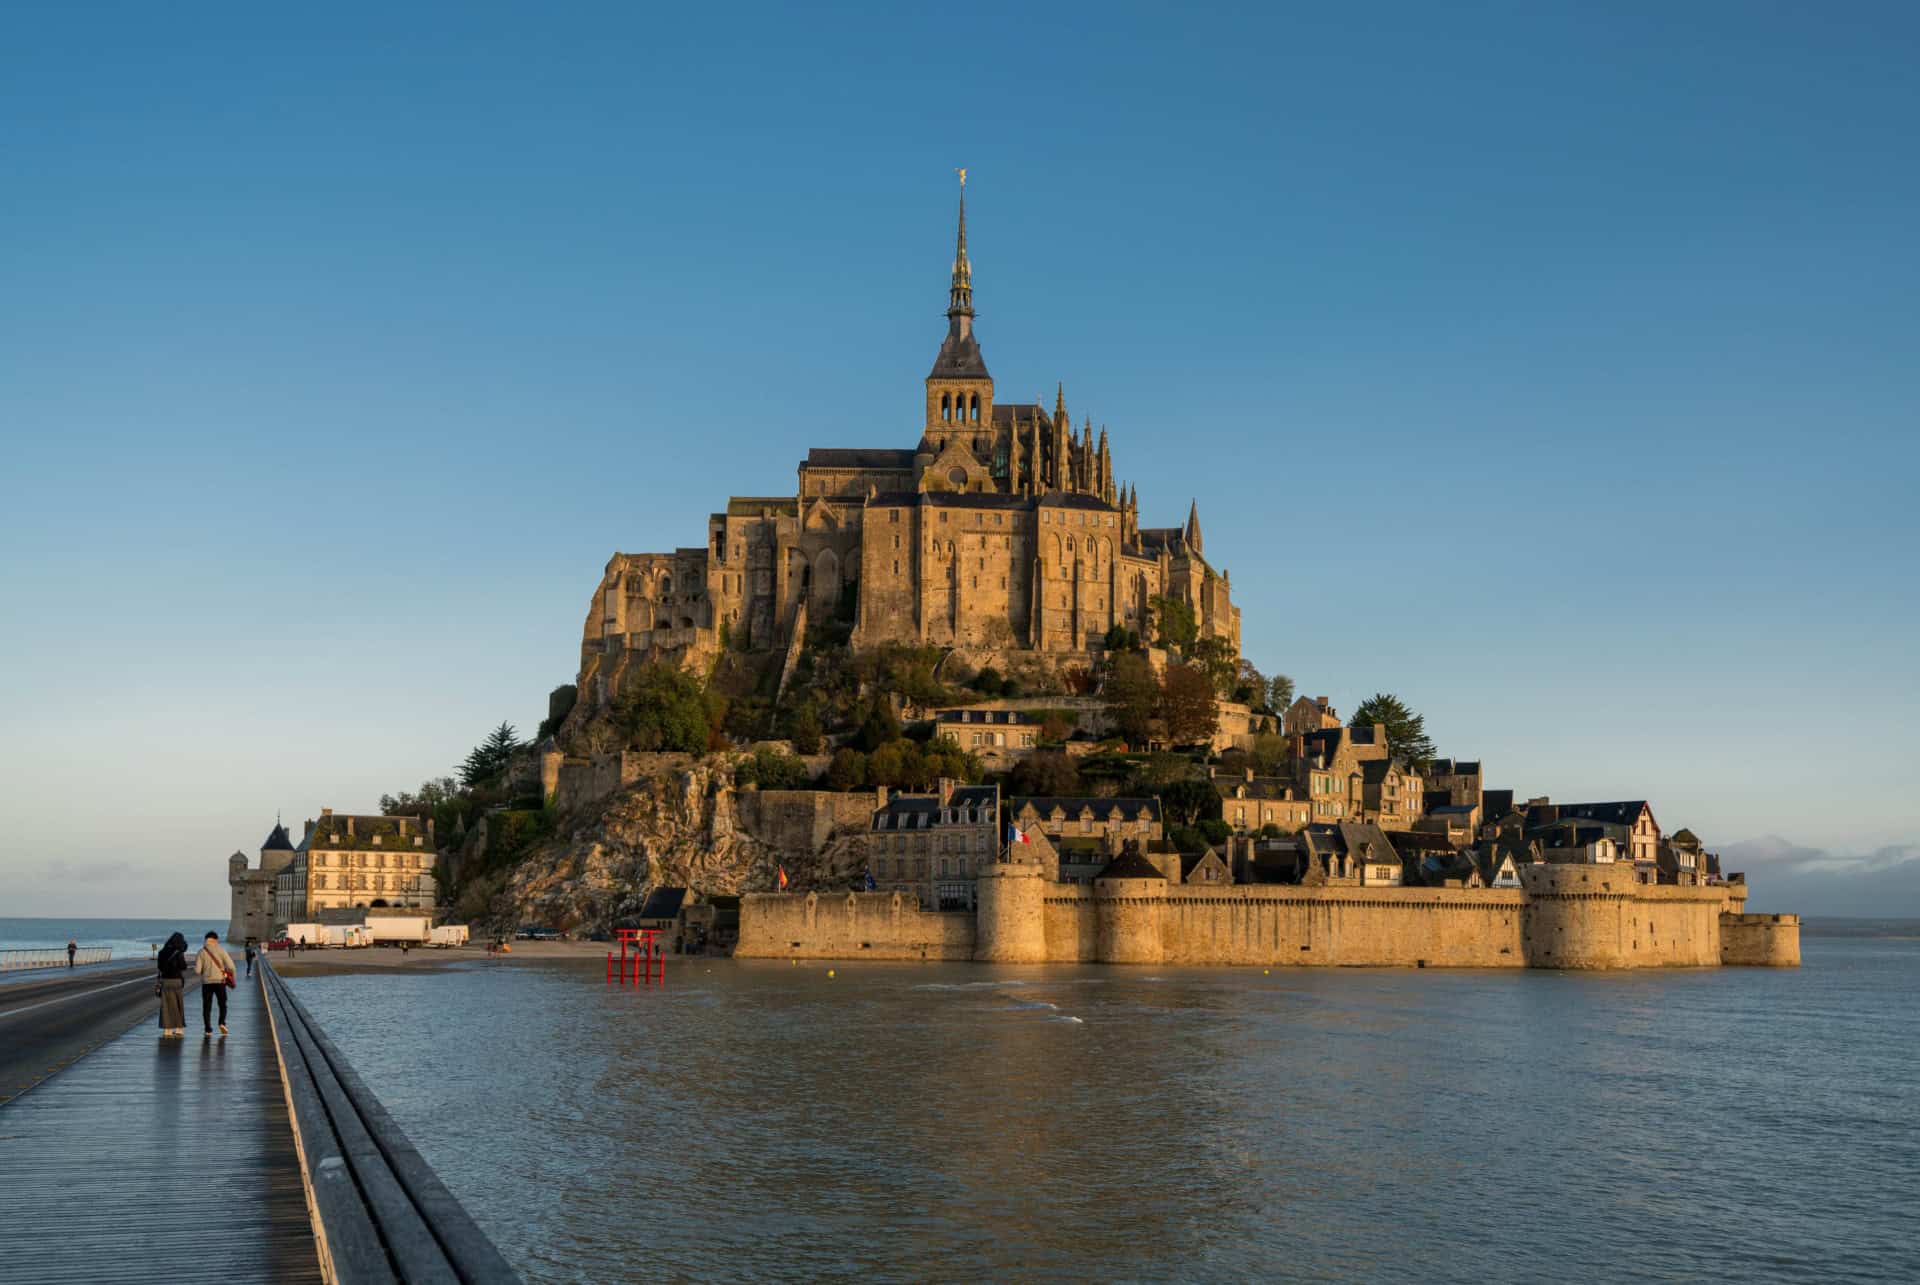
[{"x": 214, "y": 966}]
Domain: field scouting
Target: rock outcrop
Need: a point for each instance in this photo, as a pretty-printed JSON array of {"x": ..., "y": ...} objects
[{"x": 684, "y": 827}]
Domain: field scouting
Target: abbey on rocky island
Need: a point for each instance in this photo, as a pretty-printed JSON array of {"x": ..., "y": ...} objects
[{"x": 1003, "y": 530}]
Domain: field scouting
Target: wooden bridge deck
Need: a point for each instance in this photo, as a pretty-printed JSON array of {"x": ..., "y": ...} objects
[{"x": 154, "y": 1159}]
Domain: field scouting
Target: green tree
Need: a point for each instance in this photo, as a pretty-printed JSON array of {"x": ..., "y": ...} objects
[
  {"x": 1174, "y": 623},
  {"x": 880, "y": 726},
  {"x": 1187, "y": 705},
  {"x": 1131, "y": 696},
  {"x": 898, "y": 765},
  {"x": 1191, "y": 801},
  {"x": 1279, "y": 693},
  {"x": 1121, "y": 638},
  {"x": 988, "y": 682},
  {"x": 1219, "y": 661},
  {"x": 803, "y": 728},
  {"x": 488, "y": 760},
  {"x": 662, "y": 707},
  {"x": 1406, "y": 731},
  {"x": 848, "y": 771},
  {"x": 773, "y": 769},
  {"x": 944, "y": 757},
  {"x": 1046, "y": 774},
  {"x": 1250, "y": 685}
]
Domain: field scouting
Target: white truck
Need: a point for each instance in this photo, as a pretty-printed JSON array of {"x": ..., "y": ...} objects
[
  {"x": 305, "y": 935},
  {"x": 348, "y": 935},
  {"x": 394, "y": 929},
  {"x": 444, "y": 935}
]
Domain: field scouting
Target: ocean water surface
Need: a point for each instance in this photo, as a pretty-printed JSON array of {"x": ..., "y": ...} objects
[
  {"x": 762, "y": 1120},
  {"x": 129, "y": 938}
]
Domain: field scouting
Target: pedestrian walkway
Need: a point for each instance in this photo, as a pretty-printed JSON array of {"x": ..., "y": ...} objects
[{"x": 158, "y": 1159}]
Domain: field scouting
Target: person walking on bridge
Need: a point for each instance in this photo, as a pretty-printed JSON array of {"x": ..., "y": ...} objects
[
  {"x": 72, "y": 946},
  {"x": 215, "y": 967},
  {"x": 170, "y": 986},
  {"x": 250, "y": 953}
]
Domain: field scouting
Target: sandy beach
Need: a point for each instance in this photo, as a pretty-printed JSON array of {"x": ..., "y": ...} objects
[{"x": 391, "y": 959}]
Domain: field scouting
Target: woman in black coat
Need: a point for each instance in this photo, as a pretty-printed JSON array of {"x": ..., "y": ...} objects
[{"x": 171, "y": 986}]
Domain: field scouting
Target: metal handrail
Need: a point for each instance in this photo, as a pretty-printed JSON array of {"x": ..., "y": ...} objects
[{"x": 53, "y": 958}]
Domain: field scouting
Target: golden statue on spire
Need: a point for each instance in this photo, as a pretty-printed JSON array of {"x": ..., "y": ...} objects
[{"x": 963, "y": 175}]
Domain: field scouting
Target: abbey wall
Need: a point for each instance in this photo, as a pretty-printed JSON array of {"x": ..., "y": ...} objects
[
  {"x": 1004, "y": 529},
  {"x": 1577, "y": 917}
]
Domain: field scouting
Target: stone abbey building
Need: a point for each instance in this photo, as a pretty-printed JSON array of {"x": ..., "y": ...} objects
[{"x": 1003, "y": 530}]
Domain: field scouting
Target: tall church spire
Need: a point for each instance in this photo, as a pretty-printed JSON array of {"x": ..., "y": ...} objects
[
  {"x": 1192, "y": 533},
  {"x": 960, "y": 297},
  {"x": 959, "y": 356}
]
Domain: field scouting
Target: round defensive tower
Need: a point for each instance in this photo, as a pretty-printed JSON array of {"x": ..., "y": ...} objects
[
  {"x": 1130, "y": 909},
  {"x": 1577, "y": 916},
  {"x": 1010, "y": 924}
]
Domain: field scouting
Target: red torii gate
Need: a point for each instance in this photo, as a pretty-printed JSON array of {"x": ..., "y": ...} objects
[{"x": 649, "y": 958}]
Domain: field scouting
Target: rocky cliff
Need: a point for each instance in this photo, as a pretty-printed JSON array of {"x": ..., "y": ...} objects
[{"x": 683, "y": 827}]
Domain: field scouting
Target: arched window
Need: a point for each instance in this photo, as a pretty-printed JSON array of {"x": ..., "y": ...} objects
[
  {"x": 946, "y": 408},
  {"x": 666, "y": 584},
  {"x": 976, "y": 408}
]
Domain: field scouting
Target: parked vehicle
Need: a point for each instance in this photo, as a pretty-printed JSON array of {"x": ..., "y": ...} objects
[
  {"x": 307, "y": 934},
  {"x": 444, "y": 935},
  {"x": 280, "y": 943},
  {"x": 398, "y": 928}
]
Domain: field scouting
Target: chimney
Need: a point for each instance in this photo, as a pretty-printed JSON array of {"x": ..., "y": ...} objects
[
  {"x": 326, "y": 812},
  {"x": 947, "y": 786},
  {"x": 349, "y": 825},
  {"x": 1249, "y": 772},
  {"x": 880, "y": 796}
]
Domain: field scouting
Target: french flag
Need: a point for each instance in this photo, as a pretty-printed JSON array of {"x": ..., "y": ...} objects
[{"x": 1016, "y": 835}]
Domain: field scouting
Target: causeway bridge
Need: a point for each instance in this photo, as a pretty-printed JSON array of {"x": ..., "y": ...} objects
[{"x": 258, "y": 1157}]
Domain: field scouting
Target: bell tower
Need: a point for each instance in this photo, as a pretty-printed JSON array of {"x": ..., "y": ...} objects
[{"x": 959, "y": 391}]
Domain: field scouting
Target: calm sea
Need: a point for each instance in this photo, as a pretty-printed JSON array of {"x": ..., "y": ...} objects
[
  {"x": 759, "y": 1120},
  {"x": 129, "y": 938}
]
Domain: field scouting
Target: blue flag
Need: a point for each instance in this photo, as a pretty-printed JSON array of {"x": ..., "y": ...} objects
[{"x": 870, "y": 884}]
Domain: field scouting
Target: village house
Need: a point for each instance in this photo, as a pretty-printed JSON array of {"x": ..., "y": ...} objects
[
  {"x": 1390, "y": 794},
  {"x": 1249, "y": 803},
  {"x": 1629, "y": 823},
  {"x": 348, "y": 862},
  {"x": 1326, "y": 767},
  {"x": 1308, "y": 715},
  {"x": 1682, "y": 861},
  {"x": 1079, "y": 836},
  {"x": 933, "y": 845},
  {"x": 1350, "y": 852},
  {"x": 999, "y": 738},
  {"x": 1575, "y": 842},
  {"x": 1455, "y": 783},
  {"x": 1205, "y": 868}
]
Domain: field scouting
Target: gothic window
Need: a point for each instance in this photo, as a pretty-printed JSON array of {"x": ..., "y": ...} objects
[
  {"x": 946, "y": 408},
  {"x": 666, "y": 584},
  {"x": 976, "y": 408}
]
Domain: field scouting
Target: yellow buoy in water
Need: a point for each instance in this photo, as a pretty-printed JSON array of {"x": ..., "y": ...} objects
[
  {"x": 1266, "y": 972},
  {"x": 829, "y": 972}
]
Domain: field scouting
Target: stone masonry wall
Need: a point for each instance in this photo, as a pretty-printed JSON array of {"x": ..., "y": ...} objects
[
  {"x": 1556, "y": 925},
  {"x": 852, "y": 925},
  {"x": 1762, "y": 941}
]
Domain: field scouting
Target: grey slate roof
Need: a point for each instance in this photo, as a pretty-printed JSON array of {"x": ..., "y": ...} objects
[
  {"x": 959, "y": 358},
  {"x": 1130, "y": 809},
  {"x": 1130, "y": 865},
  {"x": 278, "y": 840},
  {"x": 852, "y": 457}
]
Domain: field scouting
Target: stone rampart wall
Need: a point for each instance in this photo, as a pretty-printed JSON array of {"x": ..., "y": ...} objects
[
  {"x": 1762, "y": 941},
  {"x": 852, "y": 925},
  {"x": 801, "y": 820},
  {"x": 1579, "y": 918}
]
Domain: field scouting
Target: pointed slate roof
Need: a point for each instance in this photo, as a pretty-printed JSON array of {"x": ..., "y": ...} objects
[
  {"x": 278, "y": 840},
  {"x": 1130, "y": 865}
]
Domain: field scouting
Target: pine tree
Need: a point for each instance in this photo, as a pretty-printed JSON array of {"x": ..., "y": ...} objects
[
  {"x": 1406, "y": 731},
  {"x": 489, "y": 758}
]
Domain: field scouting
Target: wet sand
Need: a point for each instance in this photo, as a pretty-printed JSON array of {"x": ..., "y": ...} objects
[{"x": 335, "y": 962}]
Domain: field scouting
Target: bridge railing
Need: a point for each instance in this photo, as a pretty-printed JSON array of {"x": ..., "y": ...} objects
[
  {"x": 55, "y": 958},
  {"x": 380, "y": 1213}
]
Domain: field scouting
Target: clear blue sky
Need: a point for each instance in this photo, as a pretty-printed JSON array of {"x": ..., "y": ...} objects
[{"x": 1552, "y": 366}]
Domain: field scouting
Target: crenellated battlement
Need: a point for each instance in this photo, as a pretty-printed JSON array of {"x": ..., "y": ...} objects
[{"x": 1579, "y": 917}]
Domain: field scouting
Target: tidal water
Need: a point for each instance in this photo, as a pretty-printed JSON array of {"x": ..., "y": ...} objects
[
  {"x": 128, "y": 938},
  {"x": 759, "y": 1120}
]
